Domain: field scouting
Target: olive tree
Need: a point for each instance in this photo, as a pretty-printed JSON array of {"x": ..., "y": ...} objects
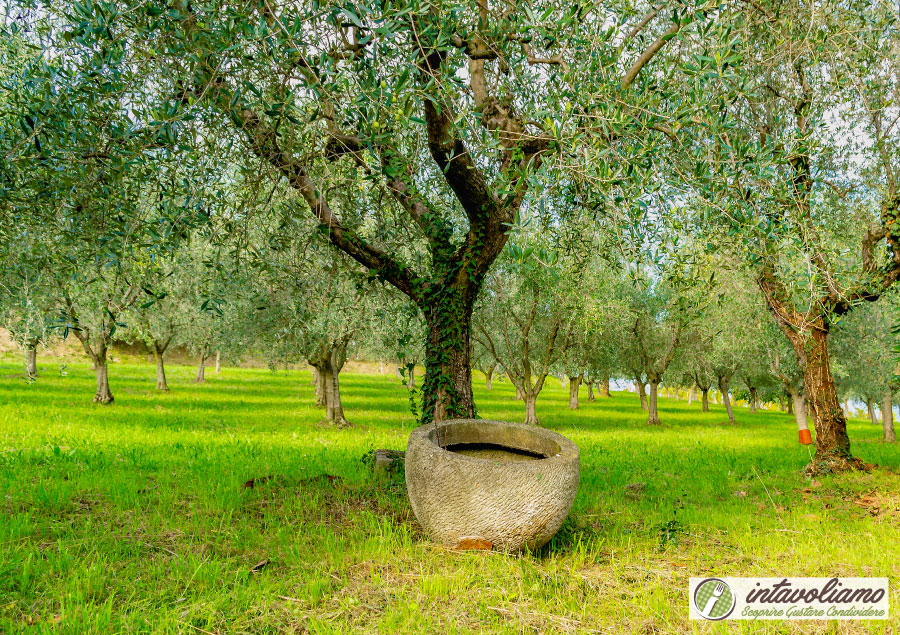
[
  {"x": 530, "y": 312},
  {"x": 457, "y": 114},
  {"x": 865, "y": 346},
  {"x": 657, "y": 317},
  {"x": 29, "y": 300},
  {"x": 801, "y": 161}
]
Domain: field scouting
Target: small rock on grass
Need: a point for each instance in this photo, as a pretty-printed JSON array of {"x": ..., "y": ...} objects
[{"x": 386, "y": 463}]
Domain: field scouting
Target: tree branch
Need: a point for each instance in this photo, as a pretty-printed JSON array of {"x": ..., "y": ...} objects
[
  {"x": 648, "y": 55},
  {"x": 264, "y": 144}
]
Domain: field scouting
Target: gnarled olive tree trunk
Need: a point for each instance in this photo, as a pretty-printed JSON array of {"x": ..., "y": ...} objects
[
  {"x": 639, "y": 385},
  {"x": 104, "y": 394},
  {"x": 447, "y": 387},
  {"x": 530, "y": 412},
  {"x": 97, "y": 351},
  {"x": 31, "y": 359},
  {"x": 488, "y": 377},
  {"x": 201, "y": 367},
  {"x": 753, "y": 399},
  {"x": 327, "y": 366},
  {"x": 808, "y": 335},
  {"x": 590, "y": 388},
  {"x": 159, "y": 351},
  {"x": 870, "y": 408},
  {"x": 319, "y": 382},
  {"x": 604, "y": 387},
  {"x": 574, "y": 385},
  {"x": 832, "y": 442}
]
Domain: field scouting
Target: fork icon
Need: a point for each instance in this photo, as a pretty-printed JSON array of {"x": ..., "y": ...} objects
[{"x": 711, "y": 602}]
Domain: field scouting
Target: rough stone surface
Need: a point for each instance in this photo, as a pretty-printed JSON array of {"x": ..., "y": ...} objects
[{"x": 511, "y": 504}]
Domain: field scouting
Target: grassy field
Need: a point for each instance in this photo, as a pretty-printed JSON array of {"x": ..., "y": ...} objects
[{"x": 136, "y": 517}]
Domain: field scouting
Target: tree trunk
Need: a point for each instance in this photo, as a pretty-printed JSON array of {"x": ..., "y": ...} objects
[
  {"x": 832, "y": 442},
  {"x": 887, "y": 418},
  {"x": 871, "y": 409},
  {"x": 327, "y": 367},
  {"x": 447, "y": 388},
  {"x": 334, "y": 410},
  {"x": 604, "y": 387},
  {"x": 653, "y": 416},
  {"x": 97, "y": 356},
  {"x": 574, "y": 385},
  {"x": 411, "y": 380},
  {"x": 690, "y": 395},
  {"x": 641, "y": 392},
  {"x": 676, "y": 394},
  {"x": 530, "y": 414},
  {"x": 319, "y": 381},
  {"x": 201, "y": 368},
  {"x": 798, "y": 405},
  {"x": 590, "y": 387},
  {"x": 397, "y": 370},
  {"x": 31, "y": 360},
  {"x": 218, "y": 362},
  {"x": 789, "y": 408},
  {"x": 726, "y": 399},
  {"x": 161, "y": 383},
  {"x": 104, "y": 394},
  {"x": 705, "y": 399},
  {"x": 520, "y": 396},
  {"x": 488, "y": 376},
  {"x": 752, "y": 399}
]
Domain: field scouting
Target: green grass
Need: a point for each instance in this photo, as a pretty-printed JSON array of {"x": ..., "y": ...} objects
[{"x": 133, "y": 517}]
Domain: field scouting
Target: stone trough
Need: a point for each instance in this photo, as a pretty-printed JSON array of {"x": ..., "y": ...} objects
[{"x": 505, "y": 485}]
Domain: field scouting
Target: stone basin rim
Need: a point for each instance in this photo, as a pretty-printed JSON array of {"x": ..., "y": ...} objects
[{"x": 565, "y": 448}]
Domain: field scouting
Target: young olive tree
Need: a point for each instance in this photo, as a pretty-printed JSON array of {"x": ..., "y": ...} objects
[
  {"x": 531, "y": 310},
  {"x": 29, "y": 301},
  {"x": 312, "y": 304},
  {"x": 159, "y": 323},
  {"x": 657, "y": 317},
  {"x": 865, "y": 346}
]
